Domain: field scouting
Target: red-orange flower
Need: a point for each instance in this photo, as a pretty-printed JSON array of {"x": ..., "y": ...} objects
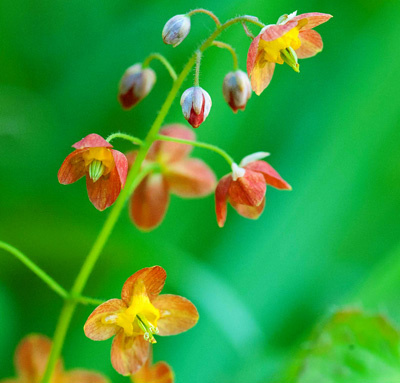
[
  {"x": 30, "y": 363},
  {"x": 291, "y": 38},
  {"x": 246, "y": 186},
  {"x": 180, "y": 175},
  {"x": 105, "y": 169},
  {"x": 137, "y": 317}
]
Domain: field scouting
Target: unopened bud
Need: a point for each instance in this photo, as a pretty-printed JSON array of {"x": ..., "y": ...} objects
[
  {"x": 135, "y": 85},
  {"x": 176, "y": 29},
  {"x": 236, "y": 89},
  {"x": 196, "y": 105}
]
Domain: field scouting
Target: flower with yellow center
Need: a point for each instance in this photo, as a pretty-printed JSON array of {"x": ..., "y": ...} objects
[
  {"x": 137, "y": 317},
  {"x": 285, "y": 42}
]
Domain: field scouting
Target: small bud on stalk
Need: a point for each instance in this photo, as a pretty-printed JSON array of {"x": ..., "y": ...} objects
[
  {"x": 196, "y": 104},
  {"x": 135, "y": 85},
  {"x": 236, "y": 89},
  {"x": 176, "y": 29}
]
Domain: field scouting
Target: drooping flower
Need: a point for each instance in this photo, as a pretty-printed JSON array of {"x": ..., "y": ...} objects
[
  {"x": 196, "y": 104},
  {"x": 31, "y": 359},
  {"x": 176, "y": 29},
  {"x": 136, "y": 83},
  {"x": 291, "y": 38},
  {"x": 105, "y": 170},
  {"x": 246, "y": 186},
  {"x": 159, "y": 372},
  {"x": 236, "y": 90},
  {"x": 137, "y": 317},
  {"x": 180, "y": 175}
]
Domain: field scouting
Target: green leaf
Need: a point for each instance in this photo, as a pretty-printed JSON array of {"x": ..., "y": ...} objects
[{"x": 351, "y": 347}]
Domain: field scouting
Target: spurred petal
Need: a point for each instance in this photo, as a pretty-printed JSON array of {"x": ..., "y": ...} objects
[
  {"x": 149, "y": 202},
  {"x": 153, "y": 279},
  {"x": 105, "y": 190},
  {"x": 121, "y": 163},
  {"x": 249, "y": 189},
  {"x": 160, "y": 372},
  {"x": 252, "y": 212},
  {"x": 221, "y": 199},
  {"x": 92, "y": 141},
  {"x": 313, "y": 19},
  {"x": 261, "y": 76},
  {"x": 178, "y": 314},
  {"x": 172, "y": 151},
  {"x": 129, "y": 354},
  {"x": 95, "y": 327},
  {"x": 271, "y": 176},
  {"x": 311, "y": 44},
  {"x": 31, "y": 358},
  {"x": 83, "y": 376},
  {"x": 72, "y": 169},
  {"x": 190, "y": 178}
]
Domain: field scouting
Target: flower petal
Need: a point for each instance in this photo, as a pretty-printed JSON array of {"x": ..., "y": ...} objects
[
  {"x": 249, "y": 189},
  {"x": 252, "y": 55},
  {"x": 261, "y": 76},
  {"x": 190, "y": 178},
  {"x": 271, "y": 176},
  {"x": 172, "y": 151},
  {"x": 221, "y": 199},
  {"x": 160, "y": 372},
  {"x": 105, "y": 190},
  {"x": 92, "y": 141},
  {"x": 153, "y": 279},
  {"x": 72, "y": 169},
  {"x": 128, "y": 353},
  {"x": 252, "y": 212},
  {"x": 149, "y": 202},
  {"x": 31, "y": 358},
  {"x": 314, "y": 19},
  {"x": 178, "y": 314},
  {"x": 95, "y": 328},
  {"x": 84, "y": 376},
  {"x": 311, "y": 44},
  {"x": 121, "y": 163},
  {"x": 275, "y": 31}
]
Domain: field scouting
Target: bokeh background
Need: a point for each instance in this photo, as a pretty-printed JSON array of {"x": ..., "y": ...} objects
[{"x": 260, "y": 286}]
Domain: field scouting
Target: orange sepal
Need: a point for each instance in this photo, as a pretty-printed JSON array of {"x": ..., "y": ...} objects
[
  {"x": 94, "y": 327},
  {"x": 121, "y": 164},
  {"x": 313, "y": 19},
  {"x": 252, "y": 212},
  {"x": 92, "y": 141},
  {"x": 83, "y": 376},
  {"x": 159, "y": 372},
  {"x": 249, "y": 189},
  {"x": 178, "y": 314},
  {"x": 271, "y": 176},
  {"x": 221, "y": 199},
  {"x": 72, "y": 168},
  {"x": 311, "y": 44}
]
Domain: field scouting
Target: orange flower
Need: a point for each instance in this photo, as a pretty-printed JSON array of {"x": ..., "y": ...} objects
[
  {"x": 245, "y": 187},
  {"x": 137, "y": 317},
  {"x": 179, "y": 175},
  {"x": 30, "y": 363},
  {"x": 105, "y": 170},
  {"x": 160, "y": 372},
  {"x": 288, "y": 40}
]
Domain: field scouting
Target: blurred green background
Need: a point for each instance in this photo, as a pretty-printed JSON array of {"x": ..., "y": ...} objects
[{"x": 260, "y": 287}]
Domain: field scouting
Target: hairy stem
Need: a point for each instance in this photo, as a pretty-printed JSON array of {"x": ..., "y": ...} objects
[
  {"x": 197, "y": 74},
  {"x": 209, "y": 13},
  {"x": 128, "y": 137},
  {"x": 164, "y": 61}
]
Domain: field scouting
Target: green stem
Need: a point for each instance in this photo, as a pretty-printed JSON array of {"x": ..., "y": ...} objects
[
  {"x": 88, "y": 300},
  {"x": 197, "y": 74},
  {"x": 164, "y": 61},
  {"x": 222, "y": 45},
  {"x": 209, "y": 13},
  {"x": 35, "y": 269},
  {"x": 203, "y": 145},
  {"x": 128, "y": 137}
]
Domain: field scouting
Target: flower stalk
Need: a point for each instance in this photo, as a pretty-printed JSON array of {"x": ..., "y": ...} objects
[{"x": 164, "y": 61}]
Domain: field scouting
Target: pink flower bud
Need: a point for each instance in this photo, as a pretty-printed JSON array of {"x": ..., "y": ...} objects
[
  {"x": 236, "y": 89},
  {"x": 135, "y": 85},
  {"x": 176, "y": 29},
  {"x": 196, "y": 104}
]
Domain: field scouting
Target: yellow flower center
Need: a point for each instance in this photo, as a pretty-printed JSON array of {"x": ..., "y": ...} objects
[{"x": 98, "y": 162}]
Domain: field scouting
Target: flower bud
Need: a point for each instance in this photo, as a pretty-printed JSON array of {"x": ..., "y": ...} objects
[
  {"x": 196, "y": 105},
  {"x": 176, "y": 29},
  {"x": 135, "y": 85},
  {"x": 236, "y": 89}
]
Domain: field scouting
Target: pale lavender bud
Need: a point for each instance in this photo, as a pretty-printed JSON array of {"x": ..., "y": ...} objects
[
  {"x": 236, "y": 89},
  {"x": 196, "y": 104},
  {"x": 176, "y": 29}
]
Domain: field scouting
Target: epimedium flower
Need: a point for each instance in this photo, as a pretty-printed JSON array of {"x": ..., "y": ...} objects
[
  {"x": 31, "y": 359},
  {"x": 291, "y": 38},
  {"x": 140, "y": 314},
  {"x": 196, "y": 104},
  {"x": 179, "y": 174},
  {"x": 105, "y": 169},
  {"x": 236, "y": 89},
  {"x": 246, "y": 186}
]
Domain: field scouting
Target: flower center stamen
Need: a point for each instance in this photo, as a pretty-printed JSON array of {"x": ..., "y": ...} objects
[
  {"x": 289, "y": 56},
  {"x": 147, "y": 328},
  {"x": 96, "y": 170}
]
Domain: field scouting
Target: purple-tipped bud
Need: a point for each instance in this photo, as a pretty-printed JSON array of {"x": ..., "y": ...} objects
[
  {"x": 196, "y": 104},
  {"x": 236, "y": 89},
  {"x": 176, "y": 29},
  {"x": 135, "y": 85}
]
